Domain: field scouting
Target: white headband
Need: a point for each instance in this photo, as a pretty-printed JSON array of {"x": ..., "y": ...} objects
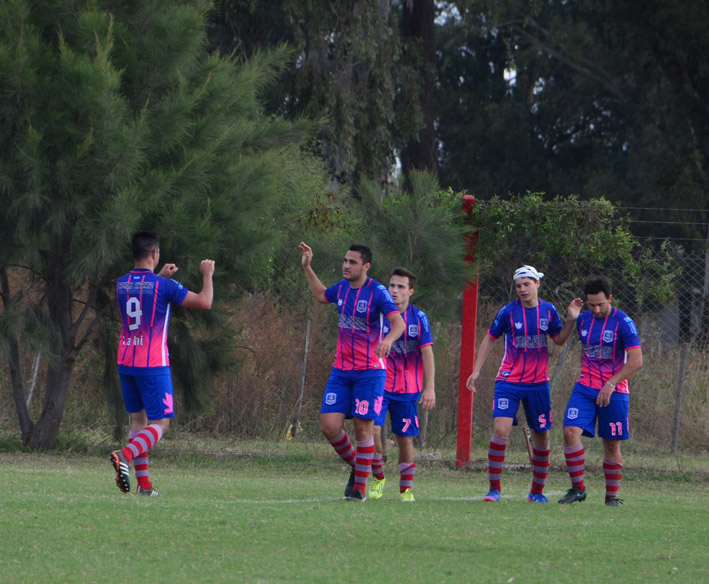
[{"x": 527, "y": 272}]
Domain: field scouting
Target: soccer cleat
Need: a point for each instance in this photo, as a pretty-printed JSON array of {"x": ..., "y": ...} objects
[
  {"x": 407, "y": 496},
  {"x": 122, "y": 470},
  {"x": 614, "y": 501},
  {"x": 350, "y": 484},
  {"x": 356, "y": 495},
  {"x": 537, "y": 498},
  {"x": 493, "y": 496},
  {"x": 147, "y": 492},
  {"x": 376, "y": 490},
  {"x": 574, "y": 494}
]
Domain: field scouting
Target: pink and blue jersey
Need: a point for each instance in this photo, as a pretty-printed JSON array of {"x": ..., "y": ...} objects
[
  {"x": 605, "y": 342},
  {"x": 404, "y": 379},
  {"x": 526, "y": 357},
  {"x": 362, "y": 312},
  {"x": 144, "y": 300}
]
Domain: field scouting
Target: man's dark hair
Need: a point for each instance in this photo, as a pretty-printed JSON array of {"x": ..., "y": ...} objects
[
  {"x": 143, "y": 244},
  {"x": 364, "y": 251},
  {"x": 404, "y": 273},
  {"x": 596, "y": 284}
]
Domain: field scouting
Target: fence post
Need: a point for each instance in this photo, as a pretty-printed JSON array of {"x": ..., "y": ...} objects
[
  {"x": 467, "y": 351},
  {"x": 678, "y": 400},
  {"x": 295, "y": 420}
]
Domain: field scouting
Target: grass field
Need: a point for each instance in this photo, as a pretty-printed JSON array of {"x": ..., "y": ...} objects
[{"x": 278, "y": 516}]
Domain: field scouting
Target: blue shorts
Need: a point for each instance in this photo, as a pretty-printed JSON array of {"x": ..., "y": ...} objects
[
  {"x": 152, "y": 393},
  {"x": 582, "y": 412},
  {"x": 403, "y": 416},
  {"x": 536, "y": 400},
  {"x": 358, "y": 394}
]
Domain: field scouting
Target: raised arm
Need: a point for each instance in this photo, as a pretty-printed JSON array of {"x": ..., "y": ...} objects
[
  {"x": 316, "y": 286},
  {"x": 572, "y": 315},
  {"x": 203, "y": 300}
]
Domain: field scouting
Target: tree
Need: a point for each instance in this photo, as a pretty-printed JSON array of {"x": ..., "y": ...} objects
[{"x": 115, "y": 119}]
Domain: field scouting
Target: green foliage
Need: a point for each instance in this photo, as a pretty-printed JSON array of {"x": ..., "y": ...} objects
[
  {"x": 107, "y": 132},
  {"x": 256, "y": 519},
  {"x": 423, "y": 231},
  {"x": 568, "y": 239}
]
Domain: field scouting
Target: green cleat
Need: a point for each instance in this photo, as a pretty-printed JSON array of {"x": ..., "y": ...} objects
[
  {"x": 376, "y": 490},
  {"x": 407, "y": 496}
]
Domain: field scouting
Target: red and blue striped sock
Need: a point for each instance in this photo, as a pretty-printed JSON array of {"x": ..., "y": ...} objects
[
  {"x": 613, "y": 472},
  {"x": 540, "y": 467},
  {"x": 143, "y": 441},
  {"x": 363, "y": 463},
  {"x": 343, "y": 446},
  {"x": 407, "y": 470},
  {"x": 575, "y": 458},
  {"x": 495, "y": 460},
  {"x": 378, "y": 466}
]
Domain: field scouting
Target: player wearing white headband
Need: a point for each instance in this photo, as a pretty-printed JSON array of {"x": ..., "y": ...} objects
[{"x": 523, "y": 375}]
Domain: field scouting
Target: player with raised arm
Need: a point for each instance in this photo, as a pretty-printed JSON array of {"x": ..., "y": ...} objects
[
  {"x": 355, "y": 387},
  {"x": 611, "y": 355},
  {"x": 523, "y": 376},
  {"x": 409, "y": 363},
  {"x": 145, "y": 300}
]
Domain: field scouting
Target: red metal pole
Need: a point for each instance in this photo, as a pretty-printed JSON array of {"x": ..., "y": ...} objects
[{"x": 467, "y": 350}]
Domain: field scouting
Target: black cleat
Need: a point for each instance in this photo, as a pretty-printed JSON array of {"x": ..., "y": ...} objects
[
  {"x": 151, "y": 492},
  {"x": 350, "y": 484},
  {"x": 356, "y": 495},
  {"x": 574, "y": 494},
  {"x": 614, "y": 501},
  {"x": 122, "y": 470}
]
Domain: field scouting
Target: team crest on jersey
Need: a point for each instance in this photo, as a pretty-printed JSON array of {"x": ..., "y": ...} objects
[
  {"x": 361, "y": 306},
  {"x": 518, "y": 325},
  {"x": 584, "y": 332},
  {"x": 543, "y": 324},
  {"x": 503, "y": 403},
  {"x": 413, "y": 330},
  {"x": 608, "y": 336},
  {"x": 330, "y": 398},
  {"x": 572, "y": 413}
]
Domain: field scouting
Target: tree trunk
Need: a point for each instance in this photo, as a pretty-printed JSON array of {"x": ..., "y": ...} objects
[
  {"x": 59, "y": 304},
  {"x": 418, "y": 26},
  {"x": 18, "y": 389}
]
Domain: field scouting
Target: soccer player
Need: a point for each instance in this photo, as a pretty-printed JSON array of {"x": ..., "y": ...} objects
[
  {"x": 145, "y": 301},
  {"x": 523, "y": 376},
  {"x": 611, "y": 355},
  {"x": 410, "y": 361},
  {"x": 355, "y": 387}
]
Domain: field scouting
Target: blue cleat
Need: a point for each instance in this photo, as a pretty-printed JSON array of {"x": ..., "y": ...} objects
[
  {"x": 537, "y": 498},
  {"x": 493, "y": 496}
]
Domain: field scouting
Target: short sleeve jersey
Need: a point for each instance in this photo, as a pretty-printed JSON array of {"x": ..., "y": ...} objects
[
  {"x": 605, "y": 342},
  {"x": 404, "y": 379},
  {"x": 144, "y": 300},
  {"x": 362, "y": 312},
  {"x": 526, "y": 358}
]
